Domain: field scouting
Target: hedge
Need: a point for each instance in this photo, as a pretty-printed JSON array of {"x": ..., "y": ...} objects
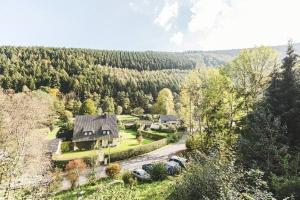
[
  {"x": 138, "y": 150},
  {"x": 152, "y": 136},
  {"x": 66, "y": 146}
]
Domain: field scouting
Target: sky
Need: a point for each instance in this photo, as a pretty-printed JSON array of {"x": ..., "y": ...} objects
[{"x": 162, "y": 25}]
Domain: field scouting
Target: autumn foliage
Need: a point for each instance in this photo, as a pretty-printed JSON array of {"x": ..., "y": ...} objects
[
  {"x": 73, "y": 169},
  {"x": 112, "y": 170}
]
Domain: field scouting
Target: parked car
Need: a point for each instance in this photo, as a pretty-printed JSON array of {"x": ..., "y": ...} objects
[
  {"x": 173, "y": 167},
  {"x": 141, "y": 175},
  {"x": 181, "y": 161},
  {"x": 147, "y": 167}
]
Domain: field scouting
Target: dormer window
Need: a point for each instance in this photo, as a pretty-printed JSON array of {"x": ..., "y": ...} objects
[{"x": 86, "y": 133}]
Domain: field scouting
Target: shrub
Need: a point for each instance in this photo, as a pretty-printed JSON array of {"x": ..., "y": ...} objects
[
  {"x": 211, "y": 179},
  {"x": 201, "y": 142},
  {"x": 153, "y": 136},
  {"x": 119, "y": 110},
  {"x": 139, "y": 138},
  {"x": 147, "y": 117},
  {"x": 158, "y": 172},
  {"x": 66, "y": 131},
  {"x": 112, "y": 170},
  {"x": 66, "y": 146},
  {"x": 138, "y": 150},
  {"x": 73, "y": 169},
  {"x": 138, "y": 111},
  {"x": 137, "y": 125},
  {"x": 128, "y": 178},
  {"x": 174, "y": 137},
  {"x": 285, "y": 186},
  {"x": 138, "y": 134},
  {"x": 121, "y": 125}
]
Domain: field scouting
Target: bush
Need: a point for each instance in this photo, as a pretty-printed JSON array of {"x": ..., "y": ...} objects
[
  {"x": 128, "y": 178},
  {"x": 211, "y": 179},
  {"x": 153, "y": 136},
  {"x": 73, "y": 169},
  {"x": 66, "y": 146},
  {"x": 147, "y": 117},
  {"x": 66, "y": 131},
  {"x": 112, "y": 170},
  {"x": 172, "y": 128},
  {"x": 61, "y": 164},
  {"x": 201, "y": 142},
  {"x": 158, "y": 172},
  {"x": 138, "y": 134},
  {"x": 121, "y": 125},
  {"x": 285, "y": 186},
  {"x": 137, "y": 125},
  {"x": 174, "y": 137},
  {"x": 138, "y": 150},
  {"x": 138, "y": 111}
]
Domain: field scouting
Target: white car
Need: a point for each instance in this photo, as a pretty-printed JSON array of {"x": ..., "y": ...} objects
[
  {"x": 181, "y": 161},
  {"x": 141, "y": 174}
]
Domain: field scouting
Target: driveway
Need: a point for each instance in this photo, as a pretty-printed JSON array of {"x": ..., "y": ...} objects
[{"x": 160, "y": 154}]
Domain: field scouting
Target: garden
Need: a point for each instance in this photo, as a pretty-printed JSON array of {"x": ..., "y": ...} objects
[
  {"x": 135, "y": 139},
  {"x": 127, "y": 141}
]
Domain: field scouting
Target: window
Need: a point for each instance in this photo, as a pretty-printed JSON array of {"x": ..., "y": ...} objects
[
  {"x": 104, "y": 132},
  {"x": 85, "y": 133}
]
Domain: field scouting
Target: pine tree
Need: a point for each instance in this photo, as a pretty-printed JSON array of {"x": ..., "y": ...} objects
[{"x": 283, "y": 96}]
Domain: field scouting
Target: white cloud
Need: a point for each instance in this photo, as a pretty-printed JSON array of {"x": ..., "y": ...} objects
[
  {"x": 177, "y": 38},
  {"x": 167, "y": 14},
  {"x": 224, "y": 24}
]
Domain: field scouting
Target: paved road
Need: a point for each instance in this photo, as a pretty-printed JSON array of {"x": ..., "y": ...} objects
[{"x": 161, "y": 154}]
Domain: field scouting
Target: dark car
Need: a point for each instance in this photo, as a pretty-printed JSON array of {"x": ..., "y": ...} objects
[
  {"x": 173, "y": 168},
  {"x": 147, "y": 167},
  {"x": 181, "y": 161}
]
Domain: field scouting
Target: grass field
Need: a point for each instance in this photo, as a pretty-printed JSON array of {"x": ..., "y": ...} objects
[
  {"x": 128, "y": 141},
  {"x": 52, "y": 134},
  {"x": 104, "y": 189},
  {"x": 124, "y": 118}
]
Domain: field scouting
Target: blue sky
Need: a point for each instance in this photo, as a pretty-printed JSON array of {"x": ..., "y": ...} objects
[{"x": 166, "y": 25}]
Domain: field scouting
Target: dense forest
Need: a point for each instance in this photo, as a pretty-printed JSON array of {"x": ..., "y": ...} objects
[
  {"x": 93, "y": 74},
  {"x": 100, "y": 73}
]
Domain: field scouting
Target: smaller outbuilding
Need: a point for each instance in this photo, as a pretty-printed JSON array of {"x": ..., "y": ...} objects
[{"x": 169, "y": 119}]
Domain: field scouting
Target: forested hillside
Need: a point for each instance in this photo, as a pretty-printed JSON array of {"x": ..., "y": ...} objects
[
  {"x": 220, "y": 57},
  {"x": 97, "y": 74}
]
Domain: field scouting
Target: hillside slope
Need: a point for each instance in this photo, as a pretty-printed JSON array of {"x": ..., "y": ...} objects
[{"x": 220, "y": 57}]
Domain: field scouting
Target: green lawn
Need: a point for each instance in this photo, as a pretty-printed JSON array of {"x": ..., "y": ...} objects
[
  {"x": 158, "y": 133},
  {"x": 128, "y": 141},
  {"x": 124, "y": 118},
  {"x": 103, "y": 189},
  {"x": 52, "y": 134}
]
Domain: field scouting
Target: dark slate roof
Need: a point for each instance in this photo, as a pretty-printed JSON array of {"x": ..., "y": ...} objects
[
  {"x": 168, "y": 118},
  {"x": 94, "y": 123}
]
